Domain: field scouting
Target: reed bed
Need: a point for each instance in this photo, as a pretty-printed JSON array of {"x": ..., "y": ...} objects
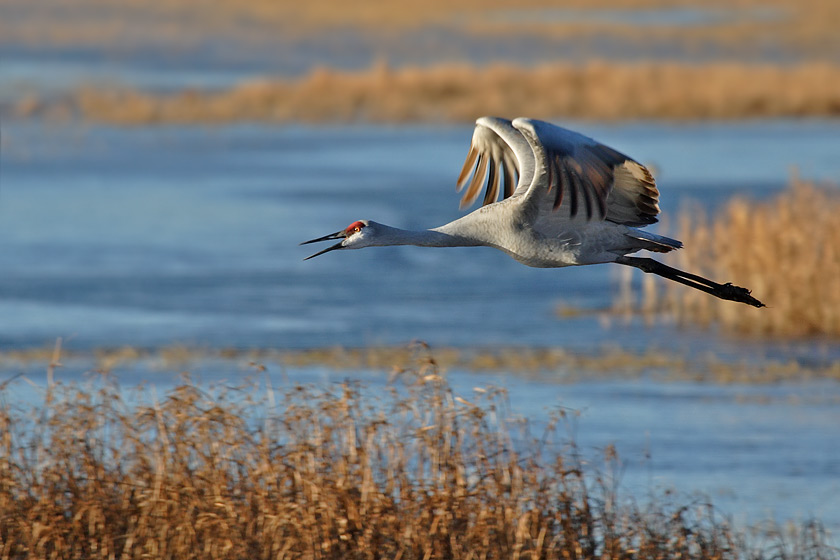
[
  {"x": 806, "y": 27},
  {"x": 324, "y": 473},
  {"x": 558, "y": 364},
  {"x": 597, "y": 90},
  {"x": 787, "y": 250}
]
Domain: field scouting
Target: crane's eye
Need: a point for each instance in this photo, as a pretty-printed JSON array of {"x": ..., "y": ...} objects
[{"x": 355, "y": 227}]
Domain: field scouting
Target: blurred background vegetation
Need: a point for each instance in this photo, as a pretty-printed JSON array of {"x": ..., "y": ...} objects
[
  {"x": 160, "y": 161},
  {"x": 327, "y": 61}
]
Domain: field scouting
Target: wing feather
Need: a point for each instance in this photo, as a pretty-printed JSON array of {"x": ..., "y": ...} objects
[
  {"x": 509, "y": 171},
  {"x": 477, "y": 181},
  {"x": 574, "y": 181},
  {"x": 592, "y": 181},
  {"x": 492, "y": 183},
  {"x": 466, "y": 171},
  {"x": 500, "y": 154},
  {"x": 590, "y": 176},
  {"x": 563, "y": 185}
]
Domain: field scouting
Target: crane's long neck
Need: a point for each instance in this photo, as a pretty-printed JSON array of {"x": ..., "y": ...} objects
[{"x": 449, "y": 235}]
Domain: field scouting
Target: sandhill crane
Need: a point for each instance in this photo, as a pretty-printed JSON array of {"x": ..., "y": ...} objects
[{"x": 576, "y": 202}]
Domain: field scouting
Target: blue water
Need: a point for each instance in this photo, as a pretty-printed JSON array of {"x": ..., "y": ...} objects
[
  {"x": 155, "y": 236},
  {"x": 159, "y": 236}
]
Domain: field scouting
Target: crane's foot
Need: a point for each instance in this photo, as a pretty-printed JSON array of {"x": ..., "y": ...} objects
[
  {"x": 726, "y": 291},
  {"x": 736, "y": 293}
]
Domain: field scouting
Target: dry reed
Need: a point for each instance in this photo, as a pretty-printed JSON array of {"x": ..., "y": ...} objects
[
  {"x": 558, "y": 364},
  {"x": 806, "y": 27},
  {"x": 322, "y": 473},
  {"x": 787, "y": 250},
  {"x": 597, "y": 90}
]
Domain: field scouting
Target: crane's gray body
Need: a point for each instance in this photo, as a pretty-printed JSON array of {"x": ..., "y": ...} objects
[{"x": 575, "y": 202}]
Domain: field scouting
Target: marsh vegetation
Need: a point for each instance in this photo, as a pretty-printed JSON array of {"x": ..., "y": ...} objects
[
  {"x": 598, "y": 90},
  {"x": 806, "y": 26},
  {"x": 252, "y": 471},
  {"x": 785, "y": 249}
]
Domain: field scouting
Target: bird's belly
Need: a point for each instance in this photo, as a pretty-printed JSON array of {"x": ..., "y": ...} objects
[{"x": 554, "y": 255}]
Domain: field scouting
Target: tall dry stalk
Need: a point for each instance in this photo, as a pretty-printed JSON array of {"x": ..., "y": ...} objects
[
  {"x": 321, "y": 473},
  {"x": 461, "y": 93},
  {"x": 786, "y": 250}
]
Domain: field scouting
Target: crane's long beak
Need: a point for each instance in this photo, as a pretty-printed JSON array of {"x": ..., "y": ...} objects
[{"x": 336, "y": 235}]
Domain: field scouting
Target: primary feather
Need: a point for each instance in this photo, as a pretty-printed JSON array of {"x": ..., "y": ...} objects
[{"x": 576, "y": 175}]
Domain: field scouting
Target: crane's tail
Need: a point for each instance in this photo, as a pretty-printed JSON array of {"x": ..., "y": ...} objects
[
  {"x": 726, "y": 291},
  {"x": 654, "y": 242}
]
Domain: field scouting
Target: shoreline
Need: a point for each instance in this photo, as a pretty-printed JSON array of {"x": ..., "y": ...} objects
[
  {"x": 550, "y": 363},
  {"x": 461, "y": 93}
]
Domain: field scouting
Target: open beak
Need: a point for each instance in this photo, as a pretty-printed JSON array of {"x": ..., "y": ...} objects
[{"x": 337, "y": 235}]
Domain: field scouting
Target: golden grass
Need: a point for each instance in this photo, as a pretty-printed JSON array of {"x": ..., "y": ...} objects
[
  {"x": 600, "y": 90},
  {"x": 557, "y": 363},
  {"x": 323, "y": 473},
  {"x": 807, "y": 26},
  {"x": 787, "y": 250}
]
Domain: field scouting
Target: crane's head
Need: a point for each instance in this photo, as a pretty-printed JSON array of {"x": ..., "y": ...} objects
[{"x": 355, "y": 236}]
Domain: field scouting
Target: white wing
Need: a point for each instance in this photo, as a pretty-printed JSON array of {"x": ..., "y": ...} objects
[
  {"x": 502, "y": 152},
  {"x": 564, "y": 173}
]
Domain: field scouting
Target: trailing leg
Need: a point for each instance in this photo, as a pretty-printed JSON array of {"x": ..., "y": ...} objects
[{"x": 726, "y": 291}]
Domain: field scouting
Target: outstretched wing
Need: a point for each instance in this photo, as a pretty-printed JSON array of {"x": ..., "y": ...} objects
[
  {"x": 588, "y": 177},
  {"x": 498, "y": 154},
  {"x": 570, "y": 174}
]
